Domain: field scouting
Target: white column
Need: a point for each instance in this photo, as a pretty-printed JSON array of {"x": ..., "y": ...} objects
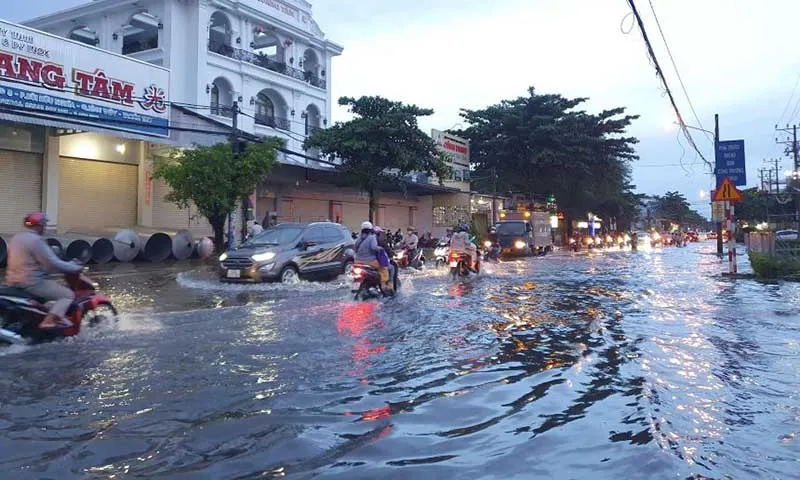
[{"x": 50, "y": 178}]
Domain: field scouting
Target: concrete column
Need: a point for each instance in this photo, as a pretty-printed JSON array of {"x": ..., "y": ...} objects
[
  {"x": 145, "y": 190},
  {"x": 50, "y": 178}
]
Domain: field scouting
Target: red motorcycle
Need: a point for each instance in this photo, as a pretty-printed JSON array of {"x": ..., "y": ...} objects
[
  {"x": 21, "y": 313},
  {"x": 461, "y": 265}
]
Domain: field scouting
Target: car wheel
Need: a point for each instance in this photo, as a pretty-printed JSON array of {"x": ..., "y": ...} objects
[
  {"x": 289, "y": 275},
  {"x": 347, "y": 268}
]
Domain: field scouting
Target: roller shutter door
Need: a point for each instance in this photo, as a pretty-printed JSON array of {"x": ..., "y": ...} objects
[
  {"x": 94, "y": 195},
  {"x": 168, "y": 216},
  {"x": 306, "y": 210},
  {"x": 397, "y": 217},
  {"x": 20, "y": 188}
]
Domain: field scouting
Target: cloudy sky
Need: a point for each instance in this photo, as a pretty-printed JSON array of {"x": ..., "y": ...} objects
[{"x": 736, "y": 57}]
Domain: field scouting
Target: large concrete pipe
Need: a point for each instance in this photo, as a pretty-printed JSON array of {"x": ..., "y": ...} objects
[
  {"x": 204, "y": 248},
  {"x": 182, "y": 245},
  {"x": 3, "y": 252},
  {"x": 157, "y": 247},
  {"x": 77, "y": 249},
  {"x": 56, "y": 245},
  {"x": 102, "y": 250},
  {"x": 126, "y": 245}
]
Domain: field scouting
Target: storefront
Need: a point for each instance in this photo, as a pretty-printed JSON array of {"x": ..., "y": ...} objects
[{"x": 75, "y": 125}]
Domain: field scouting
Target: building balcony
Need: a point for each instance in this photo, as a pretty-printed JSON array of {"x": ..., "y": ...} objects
[
  {"x": 222, "y": 111},
  {"x": 274, "y": 122},
  {"x": 263, "y": 61}
]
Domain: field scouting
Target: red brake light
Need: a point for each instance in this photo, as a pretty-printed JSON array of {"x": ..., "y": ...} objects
[{"x": 358, "y": 271}]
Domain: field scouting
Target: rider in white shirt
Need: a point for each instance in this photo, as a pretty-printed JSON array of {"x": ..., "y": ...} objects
[{"x": 461, "y": 243}]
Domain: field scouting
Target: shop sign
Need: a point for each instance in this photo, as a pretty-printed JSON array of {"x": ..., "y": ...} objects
[{"x": 42, "y": 74}]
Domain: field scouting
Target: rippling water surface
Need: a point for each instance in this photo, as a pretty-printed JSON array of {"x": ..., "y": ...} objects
[{"x": 617, "y": 365}]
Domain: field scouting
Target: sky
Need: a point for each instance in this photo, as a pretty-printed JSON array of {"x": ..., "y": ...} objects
[{"x": 736, "y": 58}]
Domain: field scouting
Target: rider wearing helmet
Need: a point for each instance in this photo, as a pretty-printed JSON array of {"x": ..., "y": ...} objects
[
  {"x": 383, "y": 241},
  {"x": 368, "y": 251},
  {"x": 30, "y": 260},
  {"x": 461, "y": 243}
]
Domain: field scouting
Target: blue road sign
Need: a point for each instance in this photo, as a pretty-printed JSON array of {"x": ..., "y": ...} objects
[{"x": 730, "y": 162}]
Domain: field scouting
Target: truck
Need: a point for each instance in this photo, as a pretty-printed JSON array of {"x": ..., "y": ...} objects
[{"x": 524, "y": 233}]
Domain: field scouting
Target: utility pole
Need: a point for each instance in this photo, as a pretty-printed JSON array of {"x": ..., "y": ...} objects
[
  {"x": 791, "y": 180},
  {"x": 235, "y": 148},
  {"x": 494, "y": 195},
  {"x": 716, "y": 162}
]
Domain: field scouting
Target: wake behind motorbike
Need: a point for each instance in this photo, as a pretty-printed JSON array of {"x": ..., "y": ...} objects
[
  {"x": 440, "y": 253},
  {"x": 21, "y": 313},
  {"x": 367, "y": 282}
]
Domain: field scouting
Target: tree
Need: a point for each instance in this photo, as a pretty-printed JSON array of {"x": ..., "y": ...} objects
[
  {"x": 542, "y": 144},
  {"x": 213, "y": 179},
  {"x": 381, "y": 144},
  {"x": 674, "y": 208}
]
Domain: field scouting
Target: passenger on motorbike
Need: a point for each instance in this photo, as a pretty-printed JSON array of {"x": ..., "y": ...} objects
[
  {"x": 30, "y": 260},
  {"x": 368, "y": 251},
  {"x": 460, "y": 242},
  {"x": 383, "y": 241}
]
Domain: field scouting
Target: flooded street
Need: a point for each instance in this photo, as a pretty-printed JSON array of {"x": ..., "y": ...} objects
[{"x": 609, "y": 365}]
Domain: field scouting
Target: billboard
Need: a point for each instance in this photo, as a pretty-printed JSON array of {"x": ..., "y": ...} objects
[
  {"x": 456, "y": 148},
  {"x": 68, "y": 81}
]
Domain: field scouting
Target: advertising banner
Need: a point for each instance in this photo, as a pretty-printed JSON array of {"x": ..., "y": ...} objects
[{"x": 49, "y": 76}]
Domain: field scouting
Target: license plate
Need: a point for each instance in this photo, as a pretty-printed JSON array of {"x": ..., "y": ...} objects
[
  {"x": 234, "y": 274},
  {"x": 453, "y": 264}
]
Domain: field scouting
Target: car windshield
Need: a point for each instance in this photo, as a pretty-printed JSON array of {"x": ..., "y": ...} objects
[
  {"x": 511, "y": 228},
  {"x": 275, "y": 236}
]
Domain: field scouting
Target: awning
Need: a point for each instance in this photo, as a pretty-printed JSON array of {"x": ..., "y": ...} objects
[{"x": 34, "y": 118}]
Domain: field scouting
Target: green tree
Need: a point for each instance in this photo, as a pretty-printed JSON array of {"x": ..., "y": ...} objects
[
  {"x": 213, "y": 179},
  {"x": 544, "y": 144},
  {"x": 381, "y": 144}
]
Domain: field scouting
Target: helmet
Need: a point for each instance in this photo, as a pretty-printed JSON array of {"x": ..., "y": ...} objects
[
  {"x": 463, "y": 227},
  {"x": 377, "y": 229},
  {"x": 367, "y": 226},
  {"x": 35, "y": 219}
]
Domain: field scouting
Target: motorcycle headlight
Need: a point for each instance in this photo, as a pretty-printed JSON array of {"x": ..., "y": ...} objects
[
  {"x": 223, "y": 257},
  {"x": 263, "y": 257},
  {"x": 519, "y": 244},
  {"x": 571, "y": 240},
  {"x": 487, "y": 244}
]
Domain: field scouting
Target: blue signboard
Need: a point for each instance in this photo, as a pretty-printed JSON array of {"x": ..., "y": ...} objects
[{"x": 730, "y": 162}]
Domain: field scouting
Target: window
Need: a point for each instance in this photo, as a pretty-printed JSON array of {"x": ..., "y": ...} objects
[
  {"x": 315, "y": 234},
  {"x": 276, "y": 236},
  {"x": 465, "y": 175},
  {"x": 440, "y": 216},
  {"x": 215, "y": 100},
  {"x": 141, "y": 33},
  {"x": 332, "y": 234}
]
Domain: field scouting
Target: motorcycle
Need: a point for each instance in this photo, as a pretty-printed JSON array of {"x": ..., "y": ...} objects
[
  {"x": 491, "y": 251},
  {"x": 417, "y": 261},
  {"x": 367, "y": 282},
  {"x": 460, "y": 265},
  {"x": 440, "y": 253},
  {"x": 21, "y": 313},
  {"x": 574, "y": 245}
]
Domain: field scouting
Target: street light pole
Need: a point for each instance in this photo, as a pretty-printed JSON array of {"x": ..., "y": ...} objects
[{"x": 716, "y": 162}]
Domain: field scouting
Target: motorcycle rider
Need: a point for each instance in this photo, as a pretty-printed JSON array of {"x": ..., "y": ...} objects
[
  {"x": 383, "y": 241},
  {"x": 460, "y": 242},
  {"x": 30, "y": 259},
  {"x": 368, "y": 250}
]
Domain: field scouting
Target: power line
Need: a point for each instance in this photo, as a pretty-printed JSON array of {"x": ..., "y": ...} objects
[
  {"x": 675, "y": 66},
  {"x": 789, "y": 102},
  {"x": 660, "y": 74}
]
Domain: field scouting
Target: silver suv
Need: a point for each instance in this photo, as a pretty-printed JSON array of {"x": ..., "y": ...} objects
[{"x": 290, "y": 251}]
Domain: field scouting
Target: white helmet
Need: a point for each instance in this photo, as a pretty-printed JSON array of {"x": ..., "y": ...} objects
[{"x": 367, "y": 226}]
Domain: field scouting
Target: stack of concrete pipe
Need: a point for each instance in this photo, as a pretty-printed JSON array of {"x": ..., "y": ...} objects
[{"x": 123, "y": 245}]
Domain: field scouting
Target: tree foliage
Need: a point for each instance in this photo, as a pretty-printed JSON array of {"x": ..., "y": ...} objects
[
  {"x": 674, "y": 208},
  {"x": 382, "y": 143},
  {"x": 543, "y": 144},
  {"x": 213, "y": 179},
  {"x": 757, "y": 206}
]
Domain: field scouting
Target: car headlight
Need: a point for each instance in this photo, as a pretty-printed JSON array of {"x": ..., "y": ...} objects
[
  {"x": 487, "y": 244},
  {"x": 263, "y": 257},
  {"x": 519, "y": 244},
  {"x": 223, "y": 257}
]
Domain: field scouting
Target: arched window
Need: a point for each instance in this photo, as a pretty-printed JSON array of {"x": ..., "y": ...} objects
[
  {"x": 267, "y": 44},
  {"x": 221, "y": 99},
  {"x": 219, "y": 34},
  {"x": 312, "y": 68},
  {"x": 313, "y": 119},
  {"x": 271, "y": 110}
]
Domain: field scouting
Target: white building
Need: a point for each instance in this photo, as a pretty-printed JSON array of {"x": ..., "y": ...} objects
[{"x": 268, "y": 56}]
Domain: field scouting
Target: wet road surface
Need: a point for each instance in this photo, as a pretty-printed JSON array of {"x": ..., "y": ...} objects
[{"x": 612, "y": 365}]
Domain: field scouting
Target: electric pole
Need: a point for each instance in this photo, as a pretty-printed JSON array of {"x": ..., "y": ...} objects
[{"x": 716, "y": 162}]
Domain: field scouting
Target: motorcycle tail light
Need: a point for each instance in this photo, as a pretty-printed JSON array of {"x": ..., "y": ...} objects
[{"x": 358, "y": 272}]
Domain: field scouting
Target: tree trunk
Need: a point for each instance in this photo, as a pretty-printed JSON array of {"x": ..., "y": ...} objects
[
  {"x": 218, "y": 226},
  {"x": 373, "y": 203}
]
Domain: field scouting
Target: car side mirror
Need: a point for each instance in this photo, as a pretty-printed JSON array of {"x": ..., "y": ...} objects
[{"x": 306, "y": 243}]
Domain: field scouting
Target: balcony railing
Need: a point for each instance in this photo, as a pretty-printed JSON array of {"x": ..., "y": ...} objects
[
  {"x": 266, "y": 62},
  {"x": 272, "y": 121},
  {"x": 222, "y": 111}
]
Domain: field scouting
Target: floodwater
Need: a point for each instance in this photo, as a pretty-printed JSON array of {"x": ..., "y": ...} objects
[{"x": 611, "y": 365}]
